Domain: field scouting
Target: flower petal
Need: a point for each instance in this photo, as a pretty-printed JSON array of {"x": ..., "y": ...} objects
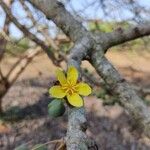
[
  {"x": 75, "y": 100},
  {"x": 83, "y": 89},
  {"x": 72, "y": 75},
  {"x": 57, "y": 92},
  {"x": 61, "y": 76}
]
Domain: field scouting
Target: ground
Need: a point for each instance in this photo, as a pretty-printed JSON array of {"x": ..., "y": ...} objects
[{"x": 110, "y": 126}]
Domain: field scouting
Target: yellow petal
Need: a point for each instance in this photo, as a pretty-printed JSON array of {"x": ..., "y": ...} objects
[
  {"x": 72, "y": 75},
  {"x": 84, "y": 89},
  {"x": 61, "y": 76},
  {"x": 57, "y": 92},
  {"x": 75, "y": 100}
]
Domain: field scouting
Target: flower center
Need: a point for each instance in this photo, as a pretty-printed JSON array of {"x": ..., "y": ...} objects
[{"x": 69, "y": 88}]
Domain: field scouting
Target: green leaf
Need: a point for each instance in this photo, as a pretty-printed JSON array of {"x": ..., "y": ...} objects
[
  {"x": 39, "y": 147},
  {"x": 56, "y": 108}
]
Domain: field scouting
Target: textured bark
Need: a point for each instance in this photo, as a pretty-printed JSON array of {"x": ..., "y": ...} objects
[
  {"x": 127, "y": 96},
  {"x": 120, "y": 35},
  {"x": 76, "y": 138}
]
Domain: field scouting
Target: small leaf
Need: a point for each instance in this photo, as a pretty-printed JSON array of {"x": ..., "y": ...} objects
[
  {"x": 56, "y": 108},
  {"x": 39, "y": 147}
]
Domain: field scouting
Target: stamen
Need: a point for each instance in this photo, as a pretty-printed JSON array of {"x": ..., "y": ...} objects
[{"x": 69, "y": 88}]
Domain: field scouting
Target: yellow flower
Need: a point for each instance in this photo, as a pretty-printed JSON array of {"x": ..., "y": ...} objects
[{"x": 70, "y": 88}]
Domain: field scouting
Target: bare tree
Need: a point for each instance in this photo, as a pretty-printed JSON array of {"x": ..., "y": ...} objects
[
  {"x": 92, "y": 47},
  {"x": 6, "y": 81}
]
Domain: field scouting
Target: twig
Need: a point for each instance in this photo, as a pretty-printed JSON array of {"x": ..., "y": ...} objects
[{"x": 50, "y": 142}]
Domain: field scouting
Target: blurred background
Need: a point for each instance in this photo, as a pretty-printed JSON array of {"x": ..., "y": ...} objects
[{"x": 26, "y": 73}]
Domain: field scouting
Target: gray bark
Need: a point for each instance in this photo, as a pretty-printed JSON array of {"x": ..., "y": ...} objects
[
  {"x": 76, "y": 138},
  {"x": 127, "y": 96},
  {"x": 120, "y": 35}
]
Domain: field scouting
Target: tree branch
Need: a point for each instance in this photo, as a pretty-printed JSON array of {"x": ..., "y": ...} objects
[
  {"x": 76, "y": 137},
  {"x": 64, "y": 20},
  {"x": 21, "y": 64},
  {"x": 43, "y": 31},
  {"x": 28, "y": 34},
  {"x": 3, "y": 41},
  {"x": 77, "y": 32},
  {"x": 77, "y": 124},
  {"x": 128, "y": 97},
  {"x": 120, "y": 35},
  {"x": 15, "y": 71}
]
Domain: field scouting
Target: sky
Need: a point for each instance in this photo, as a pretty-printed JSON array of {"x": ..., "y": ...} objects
[{"x": 79, "y": 6}]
